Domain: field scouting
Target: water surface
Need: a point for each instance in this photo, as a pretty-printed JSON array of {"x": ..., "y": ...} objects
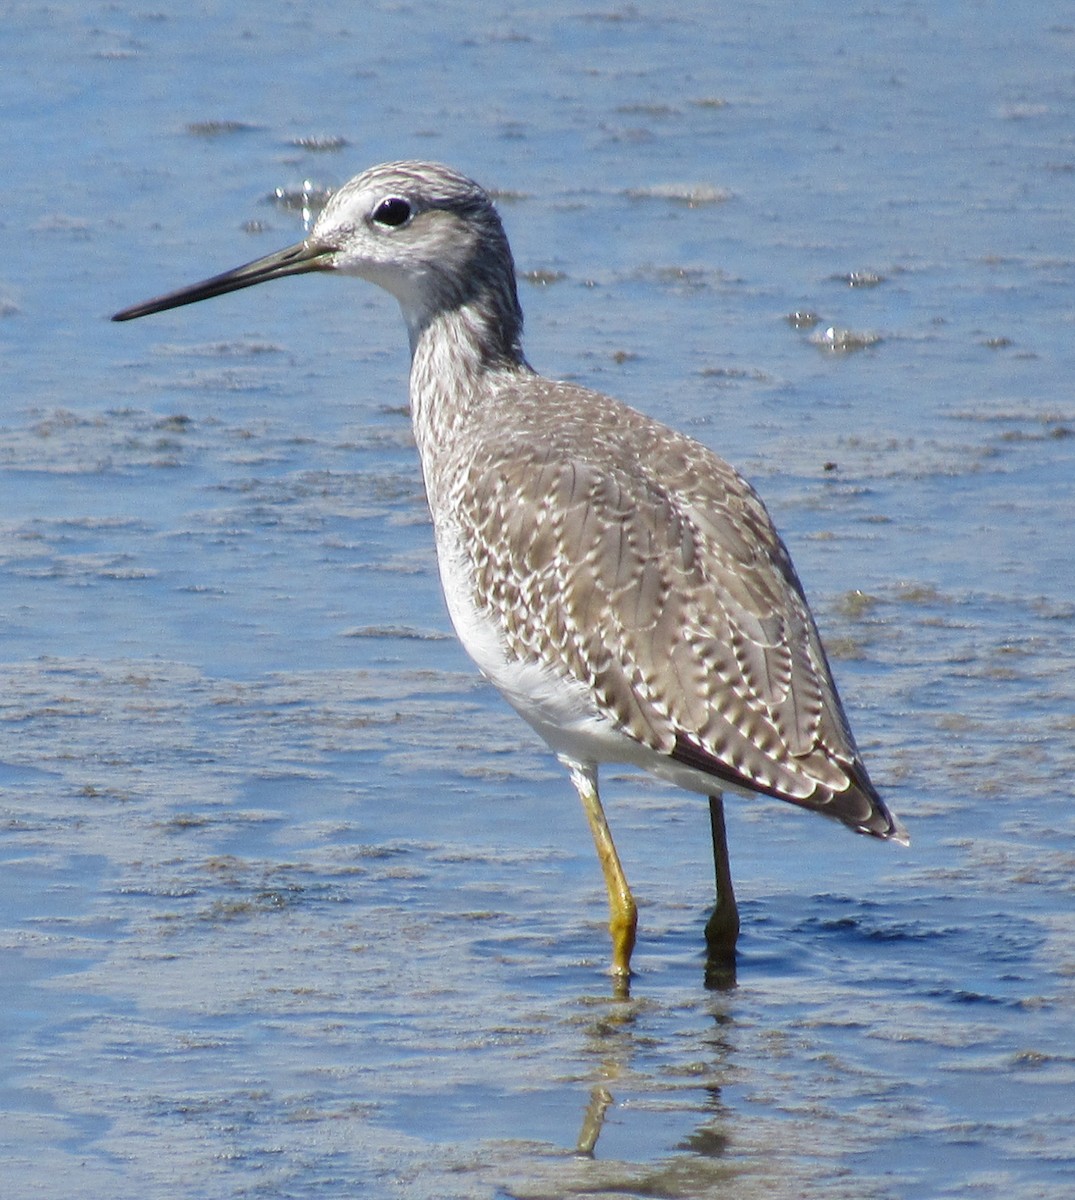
[{"x": 290, "y": 904}]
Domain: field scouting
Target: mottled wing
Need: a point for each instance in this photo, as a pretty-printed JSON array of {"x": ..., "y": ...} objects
[{"x": 633, "y": 560}]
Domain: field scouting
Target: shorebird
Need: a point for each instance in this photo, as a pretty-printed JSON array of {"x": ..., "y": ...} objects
[{"x": 622, "y": 586}]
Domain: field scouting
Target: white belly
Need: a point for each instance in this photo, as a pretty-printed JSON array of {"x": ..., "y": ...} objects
[{"x": 560, "y": 709}]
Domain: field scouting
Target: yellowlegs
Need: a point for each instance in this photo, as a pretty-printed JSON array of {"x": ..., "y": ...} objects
[{"x": 619, "y": 583}]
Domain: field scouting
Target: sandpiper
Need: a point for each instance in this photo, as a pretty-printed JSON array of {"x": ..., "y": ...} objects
[{"x": 622, "y": 586}]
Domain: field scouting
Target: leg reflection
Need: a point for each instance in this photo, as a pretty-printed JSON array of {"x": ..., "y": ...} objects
[
  {"x": 610, "y": 1044},
  {"x": 593, "y": 1120}
]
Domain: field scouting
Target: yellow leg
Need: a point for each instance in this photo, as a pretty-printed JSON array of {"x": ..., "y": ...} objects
[
  {"x": 623, "y": 912},
  {"x": 722, "y": 928}
]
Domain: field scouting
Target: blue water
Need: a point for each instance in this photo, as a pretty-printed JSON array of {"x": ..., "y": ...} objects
[{"x": 290, "y": 905}]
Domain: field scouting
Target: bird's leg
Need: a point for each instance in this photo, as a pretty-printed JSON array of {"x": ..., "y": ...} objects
[
  {"x": 722, "y": 928},
  {"x": 623, "y": 913}
]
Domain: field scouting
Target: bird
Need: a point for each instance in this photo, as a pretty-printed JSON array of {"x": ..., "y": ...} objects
[{"x": 621, "y": 585}]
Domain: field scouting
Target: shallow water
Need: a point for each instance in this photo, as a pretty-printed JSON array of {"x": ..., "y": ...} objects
[{"x": 290, "y": 904}]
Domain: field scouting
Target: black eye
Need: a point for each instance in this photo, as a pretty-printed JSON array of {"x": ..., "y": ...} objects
[{"x": 393, "y": 211}]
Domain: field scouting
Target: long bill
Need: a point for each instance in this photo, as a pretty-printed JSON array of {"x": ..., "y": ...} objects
[{"x": 295, "y": 260}]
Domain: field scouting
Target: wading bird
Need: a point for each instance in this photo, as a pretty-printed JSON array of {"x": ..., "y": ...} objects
[{"x": 622, "y": 586}]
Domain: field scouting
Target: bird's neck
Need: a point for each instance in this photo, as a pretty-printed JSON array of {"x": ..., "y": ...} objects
[{"x": 459, "y": 356}]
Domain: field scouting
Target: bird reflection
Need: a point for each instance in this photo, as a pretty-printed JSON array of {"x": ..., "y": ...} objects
[{"x": 614, "y": 1040}]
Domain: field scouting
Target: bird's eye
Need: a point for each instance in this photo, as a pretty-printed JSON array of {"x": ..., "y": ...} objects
[{"x": 394, "y": 211}]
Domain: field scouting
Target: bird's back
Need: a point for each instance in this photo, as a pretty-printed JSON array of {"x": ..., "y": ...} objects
[{"x": 628, "y": 562}]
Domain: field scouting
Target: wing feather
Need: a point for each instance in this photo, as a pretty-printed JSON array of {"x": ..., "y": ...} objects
[{"x": 634, "y": 561}]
